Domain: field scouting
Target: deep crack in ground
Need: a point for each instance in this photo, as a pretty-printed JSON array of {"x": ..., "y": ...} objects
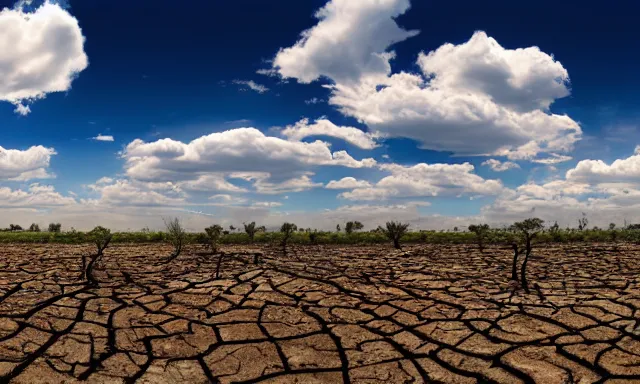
[{"x": 320, "y": 314}]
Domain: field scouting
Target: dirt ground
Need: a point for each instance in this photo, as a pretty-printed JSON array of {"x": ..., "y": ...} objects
[{"x": 319, "y": 315}]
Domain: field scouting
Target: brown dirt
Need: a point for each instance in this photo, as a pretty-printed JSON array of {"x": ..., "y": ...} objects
[{"x": 319, "y": 315}]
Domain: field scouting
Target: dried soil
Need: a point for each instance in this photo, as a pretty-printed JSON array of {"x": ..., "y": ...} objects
[{"x": 319, "y": 314}]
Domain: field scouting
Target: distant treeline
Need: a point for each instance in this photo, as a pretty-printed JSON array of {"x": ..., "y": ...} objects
[{"x": 491, "y": 236}]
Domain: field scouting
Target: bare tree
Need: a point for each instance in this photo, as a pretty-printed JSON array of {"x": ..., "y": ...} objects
[
  {"x": 583, "y": 222},
  {"x": 394, "y": 231},
  {"x": 176, "y": 235},
  {"x": 527, "y": 230},
  {"x": 481, "y": 231}
]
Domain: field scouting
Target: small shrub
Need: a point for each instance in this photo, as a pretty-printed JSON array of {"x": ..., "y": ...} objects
[
  {"x": 214, "y": 233},
  {"x": 176, "y": 236},
  {"x": 481, "y": 231},
  {"x": 101, "y": 237},
  {"x": 287, "y": 229},
  {"x": 394, "y": 231},
  {"x": 251, "y": 230},
  {"x": 353, "y": 226}
]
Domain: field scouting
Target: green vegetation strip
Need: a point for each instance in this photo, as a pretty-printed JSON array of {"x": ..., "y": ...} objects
[{"x": 493, "y": 236}]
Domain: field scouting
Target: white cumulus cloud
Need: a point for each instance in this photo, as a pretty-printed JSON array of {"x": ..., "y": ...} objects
[
  {"x": 499, "y": 166},
  {"x": 23, "y": 165},
  {"x": 41, "y": 52},
  {"x": 475, "y": 98},
  {"x": 232, "y": 151},
  {"x": 37, "y": 196},
  {"x": 323, "y": 127},
  {"x": 349, "y": 40},
  {"x": 426, "y": 180},
  {"x": 347, "y": 183}
]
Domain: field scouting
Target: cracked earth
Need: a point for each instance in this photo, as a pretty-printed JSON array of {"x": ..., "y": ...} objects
[{"x": 320, "y": 314}]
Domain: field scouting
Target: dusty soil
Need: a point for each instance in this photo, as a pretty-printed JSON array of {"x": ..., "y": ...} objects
[{"x": 319, "y": 315}]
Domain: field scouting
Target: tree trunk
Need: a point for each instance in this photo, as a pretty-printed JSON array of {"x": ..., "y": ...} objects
[
  {"x": 396, "y": 244},
  {"x": 523, "y": 269},
  {"x": 523, "y": 272},
  {"x": 514, "y": 267},
  {"x": 174, "y": 255},
  {"x": 90, "y": 278},
  {"x": 219, "y": 264},
  {"x": 84, "y": 268}
]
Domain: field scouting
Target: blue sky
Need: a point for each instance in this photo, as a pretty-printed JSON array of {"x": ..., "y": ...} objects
[{"x": 436, "y": 113}]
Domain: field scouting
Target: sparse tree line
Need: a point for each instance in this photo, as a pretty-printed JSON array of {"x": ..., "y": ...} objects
[{"x": 351, "y": 232}]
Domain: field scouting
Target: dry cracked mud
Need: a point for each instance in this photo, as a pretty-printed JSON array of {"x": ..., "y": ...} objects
[{"x": 319, "y": 314}]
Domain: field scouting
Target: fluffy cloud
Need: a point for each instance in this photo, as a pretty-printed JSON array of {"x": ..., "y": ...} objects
[
  {"x": 24, "y": 165},
  {"x": 323, "y": 127},
  {"x": 41, "y": 52},
  {"x": 22, "y": 110},
  {"x": 36, "y": 174},
  {"x": 131, "y": 193},
  {"x": 426, "y": 180},
  {"x": 296, "y": 184},
  {"x": 102, "y": 137},
  {"x": 473, "y": 98},
  {"x": 606, "y": 193},
  {"x": 347, "y": 183},
  {"x": 350, "y": 40},
  {"x": 597, "y": 171},
  {"x": 252, "y": 85},
  {"x": 499, "y": 166},
  {"x": 461, "y": 121},
  {"x": 37, "y": 196},
  {"x": 524, "y": 79},
  {"x": 237, "y": 150},
  {"x": 211, "y": 183}
]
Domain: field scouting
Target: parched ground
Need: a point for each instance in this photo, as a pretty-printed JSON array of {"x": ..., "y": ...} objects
[{"x": 319, "y": 315}]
